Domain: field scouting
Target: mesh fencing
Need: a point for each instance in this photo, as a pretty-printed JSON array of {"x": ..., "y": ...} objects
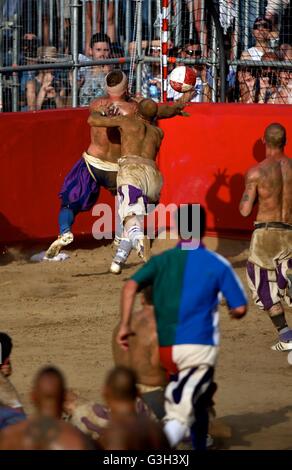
[{"x": 56, "y": 53}]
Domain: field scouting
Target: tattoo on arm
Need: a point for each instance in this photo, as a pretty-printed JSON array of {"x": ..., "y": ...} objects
[{"x": 245, "y": 198}]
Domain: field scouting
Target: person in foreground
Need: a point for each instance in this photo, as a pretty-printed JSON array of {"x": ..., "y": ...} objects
[{"x": 186, "y": 283}]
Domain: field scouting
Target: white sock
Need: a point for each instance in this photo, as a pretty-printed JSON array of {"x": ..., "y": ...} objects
[{"x": 175, "y": 432}]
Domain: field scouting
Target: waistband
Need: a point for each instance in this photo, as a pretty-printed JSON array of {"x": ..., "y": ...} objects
[
  {"x": 148, "y": 388},
  {"x": 125, "y": 159},
  {"x": 280, "y": 225},
  {"x": 100, "y": 164}
]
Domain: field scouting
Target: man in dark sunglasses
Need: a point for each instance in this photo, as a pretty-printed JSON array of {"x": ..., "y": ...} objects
[{"x": 262, "y": 29}]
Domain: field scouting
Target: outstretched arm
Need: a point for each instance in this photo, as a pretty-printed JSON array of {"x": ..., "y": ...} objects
[
  {"x": 176, "y": 109},
  {"x": 250, "y": 193},
  {"x": 96, "y": 120}
]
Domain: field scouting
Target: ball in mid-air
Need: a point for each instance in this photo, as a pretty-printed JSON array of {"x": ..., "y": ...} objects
[{"x": 182, "y": 79}]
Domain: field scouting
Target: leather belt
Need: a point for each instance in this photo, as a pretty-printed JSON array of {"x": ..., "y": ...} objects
[{"x": 281, "y": 225}]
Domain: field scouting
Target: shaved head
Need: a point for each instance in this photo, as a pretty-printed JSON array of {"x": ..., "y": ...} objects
[
  {"x": 116, "y": 83},
  {"x": 147, "y": 108},
  {"x": 121, "y": 383},
  {"x": 49, "y": 392},
  {"x": 275, "y": 136}
]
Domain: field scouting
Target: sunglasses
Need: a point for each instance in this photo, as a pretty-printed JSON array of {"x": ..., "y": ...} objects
[
  {"x": 155, "y": 49},
  {"x": 262, "y": 26},
  {"x": 195, "y": 53}
]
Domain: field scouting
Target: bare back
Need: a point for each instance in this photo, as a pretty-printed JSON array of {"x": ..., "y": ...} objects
[
  {"x": 143, "y": 353},
  {"x": 106, "y": 142},
  {"x": 273, "y": 179},
  {"x": 140, "y": 138}
]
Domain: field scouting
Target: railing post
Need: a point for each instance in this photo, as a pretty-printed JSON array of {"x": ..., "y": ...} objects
[
  {"x": 14, "y": 62},
  {"x": 74, "y": 29},
  {"x": 139, "y": 47}
]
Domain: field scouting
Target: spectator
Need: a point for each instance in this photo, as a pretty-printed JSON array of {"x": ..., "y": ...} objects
[
  {"x": 28, "y": 55},
  {"x": 202, "y": 86},
  {"x": 8, "y": 395},
  {"x": 121, "y": 393},
  {"x": 261, "y": 31},
  {"x": 280, "y": 13},
  {"x": 267, "y": 79},
  {"x": 93, "y": 78},
  {"x": 45, "y": 91},
  {"x": 151, "y": 87},
  {"x": 89, "y": 21},
  {"x": 44, "y": 433},
  {"x": 187, "y": 324},
  {"x": 283, "y": 92},
  {"x": 136, "y": 434},
  {"x": 48, "y": 392}
]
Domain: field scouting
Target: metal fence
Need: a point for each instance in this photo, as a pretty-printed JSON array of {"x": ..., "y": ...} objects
[{"x": 56, "y": 53}]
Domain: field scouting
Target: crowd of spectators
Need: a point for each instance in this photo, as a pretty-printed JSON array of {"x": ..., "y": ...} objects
[{"x": 39, "y": 32}]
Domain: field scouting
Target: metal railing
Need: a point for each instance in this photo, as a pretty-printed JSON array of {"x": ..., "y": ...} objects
[{"x": 223, "y": 32}]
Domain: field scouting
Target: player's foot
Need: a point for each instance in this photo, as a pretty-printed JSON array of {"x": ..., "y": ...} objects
[
  {"x": 285, "y": 343},
  {"x": 55, "y": 248},
  {"x": 121, "y": 256},
  {"x": 143, "y": 249},
  {"x": 117, "y": 241},
  {"x": 115, "y": 268},
  {"x": 281, "y": 346}
]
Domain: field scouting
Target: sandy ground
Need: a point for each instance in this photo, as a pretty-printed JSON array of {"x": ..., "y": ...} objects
[{"x": 63, "y": 313}]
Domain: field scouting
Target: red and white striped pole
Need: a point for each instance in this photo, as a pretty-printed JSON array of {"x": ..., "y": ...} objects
[{"x": 164, "y": 42}]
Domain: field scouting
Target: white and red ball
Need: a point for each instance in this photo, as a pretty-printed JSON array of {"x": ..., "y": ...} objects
[{"x": 182, "y": 79}]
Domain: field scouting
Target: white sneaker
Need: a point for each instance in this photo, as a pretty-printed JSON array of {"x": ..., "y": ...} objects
[
  {"x": 282, "y": 346},
  {"x": 115, "y": 268},
  {"x": 57, "y": 245}
]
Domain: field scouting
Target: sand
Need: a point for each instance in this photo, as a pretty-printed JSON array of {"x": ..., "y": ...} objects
[{"x": 63, "y": 314}]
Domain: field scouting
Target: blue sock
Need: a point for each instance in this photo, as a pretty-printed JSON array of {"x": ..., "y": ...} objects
[{"x": 66, "y": 219}]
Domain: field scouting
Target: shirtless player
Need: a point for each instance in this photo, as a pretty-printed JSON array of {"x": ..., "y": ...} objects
[
  {"x": 138, "y": 181},
  {"x": 269, "y": 267},
  {"x": 143, "y": 354},
  {"x": 98, "y": 166}
]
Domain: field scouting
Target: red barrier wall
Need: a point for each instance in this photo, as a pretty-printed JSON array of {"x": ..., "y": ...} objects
[{"x": 38, "y": 149}]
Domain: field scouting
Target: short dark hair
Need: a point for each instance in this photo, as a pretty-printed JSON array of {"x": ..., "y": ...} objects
[
  {"x": 99, "y": 37},
  {"x": 122, "y": 383},
  {"x": 53, "y": 371},
  {"x": 184, "y": 216},
  {"x": 6, "y": 347},
  {"x": 275, "y": 135},
  {"x": 262, "y": 19}
]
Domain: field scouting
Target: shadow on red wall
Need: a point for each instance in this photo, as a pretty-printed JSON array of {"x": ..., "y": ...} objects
[{"x": 38, "y": 149}]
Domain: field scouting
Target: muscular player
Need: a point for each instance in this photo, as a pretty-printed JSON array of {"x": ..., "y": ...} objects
[
  {"x": 98, "y": 166},
  {"x": 138, "y": 181},
  {"x": 143, "y": 354},
  {"x": 270, "y": 260}
]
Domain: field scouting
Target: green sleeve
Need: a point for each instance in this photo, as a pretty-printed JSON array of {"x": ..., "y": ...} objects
[{"x": 146, "y": 275}]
